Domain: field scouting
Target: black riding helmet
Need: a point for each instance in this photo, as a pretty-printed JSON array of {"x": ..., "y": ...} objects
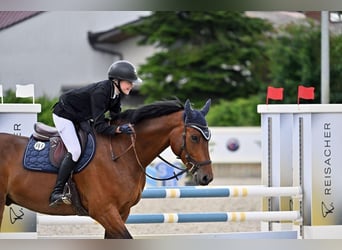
[{"x": 123, "y": 70}]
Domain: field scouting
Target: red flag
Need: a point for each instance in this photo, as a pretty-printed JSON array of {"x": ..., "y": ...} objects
[
  {"x": 305, "y": 93},
  {"x": 274, "y": 93}
]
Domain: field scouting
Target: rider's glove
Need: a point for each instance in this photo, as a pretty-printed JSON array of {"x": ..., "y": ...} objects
[{"x": 126, "y": 129}]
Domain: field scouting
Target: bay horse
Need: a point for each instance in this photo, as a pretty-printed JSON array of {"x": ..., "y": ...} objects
[{"x": 109, "y": 188}]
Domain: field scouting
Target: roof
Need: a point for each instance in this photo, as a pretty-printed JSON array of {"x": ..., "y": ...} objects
[
  {"x": 104, "y": 40},
  {"x": 10, "y": 18},
  {"x": 114, "y": 35}
]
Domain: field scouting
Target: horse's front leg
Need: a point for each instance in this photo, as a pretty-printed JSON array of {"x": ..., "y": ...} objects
[
  {"x": 114, "y": 225},
  {"x": 109, "y": 235}
]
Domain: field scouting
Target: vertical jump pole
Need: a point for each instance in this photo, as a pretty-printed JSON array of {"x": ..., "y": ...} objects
[{"x": 325, "y": 61}]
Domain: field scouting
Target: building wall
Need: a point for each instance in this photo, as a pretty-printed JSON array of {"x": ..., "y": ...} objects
[{"x": 51, "y": 50}]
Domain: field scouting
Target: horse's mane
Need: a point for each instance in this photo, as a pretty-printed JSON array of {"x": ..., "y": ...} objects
[{"x": 149, "y": 111}]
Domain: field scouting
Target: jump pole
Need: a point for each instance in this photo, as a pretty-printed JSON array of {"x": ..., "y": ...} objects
[
  {"x": 181, "y": 217},
  {"x": 219, "y": 191},
  {"x": 199, "y": 192},
  {"x": 212, "y": 217}
]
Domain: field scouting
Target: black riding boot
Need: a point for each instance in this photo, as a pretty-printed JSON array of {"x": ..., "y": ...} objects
[{"x": 67, "y": 166}]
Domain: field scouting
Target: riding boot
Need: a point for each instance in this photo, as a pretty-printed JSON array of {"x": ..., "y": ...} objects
[{"x": 67, "y": 166}]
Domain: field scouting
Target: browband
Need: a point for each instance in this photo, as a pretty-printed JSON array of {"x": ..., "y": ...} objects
[{"x": 205, "y": 131}]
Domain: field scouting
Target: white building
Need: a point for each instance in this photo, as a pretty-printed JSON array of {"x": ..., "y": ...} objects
[{"x": 52, "y": 49}]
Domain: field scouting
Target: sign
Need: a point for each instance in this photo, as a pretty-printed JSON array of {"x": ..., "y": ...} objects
[
  {"x": 18, "y": 119},
  {"x": 326, "y": 169}
]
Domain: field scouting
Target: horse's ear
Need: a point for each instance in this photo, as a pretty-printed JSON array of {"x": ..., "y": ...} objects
[
  {"x": 187, "y": 104},
  {"x": 206, "y": 107},
  {"x": 188, "y": 109}
]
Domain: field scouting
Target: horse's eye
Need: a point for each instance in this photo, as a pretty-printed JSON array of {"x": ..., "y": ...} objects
[{"x": 195, "y": 138}]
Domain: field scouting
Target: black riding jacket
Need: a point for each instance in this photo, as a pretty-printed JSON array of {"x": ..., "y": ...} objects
[{"x": 90, "y": 102}]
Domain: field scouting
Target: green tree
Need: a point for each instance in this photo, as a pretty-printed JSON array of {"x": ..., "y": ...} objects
[
  {"x": 335, "y": 68},
  {"x": 294, "y": 57},
  {"x": 240, "y": 112},
  {"x": 216, "y": 54}
]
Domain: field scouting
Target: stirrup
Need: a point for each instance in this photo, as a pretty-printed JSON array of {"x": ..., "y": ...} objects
[{"x": 66, "y": 198}]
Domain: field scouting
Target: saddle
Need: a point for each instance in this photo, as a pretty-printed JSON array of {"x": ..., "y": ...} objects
[
  {"x": 43, "y": 132},
  {"x": 45, "y": 151}
]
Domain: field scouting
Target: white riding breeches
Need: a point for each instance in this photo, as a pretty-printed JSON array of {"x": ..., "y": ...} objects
[{"x": 66, "y": 130}]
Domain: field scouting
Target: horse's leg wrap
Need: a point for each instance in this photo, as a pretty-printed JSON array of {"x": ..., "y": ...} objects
[{"x": 67, "y": 166}]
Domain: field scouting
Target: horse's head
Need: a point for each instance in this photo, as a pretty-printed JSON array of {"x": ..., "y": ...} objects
[{"x": 193, "y": 149}]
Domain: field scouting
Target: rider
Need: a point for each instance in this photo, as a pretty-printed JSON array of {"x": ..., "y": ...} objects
[{"x": 86, "y": 103}]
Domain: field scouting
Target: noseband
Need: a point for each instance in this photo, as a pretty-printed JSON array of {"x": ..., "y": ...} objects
[{"x": 191, "y": 164}]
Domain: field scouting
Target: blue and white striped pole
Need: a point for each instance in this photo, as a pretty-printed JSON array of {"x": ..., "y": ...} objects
[
  {"x": 181, "y": 217},
  {"x": 213, "y": 217},
  {"x": 219, "y": 191}
]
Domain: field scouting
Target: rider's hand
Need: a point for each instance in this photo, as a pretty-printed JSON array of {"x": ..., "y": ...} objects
[{"x": 125, "y": 129}]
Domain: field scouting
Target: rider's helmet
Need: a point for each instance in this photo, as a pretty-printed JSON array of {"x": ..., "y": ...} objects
[{"x": 123, "y": 70}]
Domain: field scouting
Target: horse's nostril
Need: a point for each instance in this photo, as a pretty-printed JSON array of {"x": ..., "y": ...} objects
[{"x": 206, "y": 180}]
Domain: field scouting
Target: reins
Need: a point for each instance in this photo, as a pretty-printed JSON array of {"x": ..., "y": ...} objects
[
  {"x": 114, "y": 158},
  {"x": 133, "y": 139}
]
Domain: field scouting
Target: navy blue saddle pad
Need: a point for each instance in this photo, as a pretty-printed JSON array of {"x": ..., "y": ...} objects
[{"x": 36, "y": 156}]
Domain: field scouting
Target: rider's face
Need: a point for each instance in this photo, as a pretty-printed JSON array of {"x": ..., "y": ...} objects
[{"x": 126, "y": 87}]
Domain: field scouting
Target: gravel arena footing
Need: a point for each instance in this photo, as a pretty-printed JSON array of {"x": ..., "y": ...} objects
[{"x": 176, "y": 206}]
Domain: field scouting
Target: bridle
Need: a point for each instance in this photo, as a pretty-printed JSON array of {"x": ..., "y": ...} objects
[{"x": 191, "y": 165}]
